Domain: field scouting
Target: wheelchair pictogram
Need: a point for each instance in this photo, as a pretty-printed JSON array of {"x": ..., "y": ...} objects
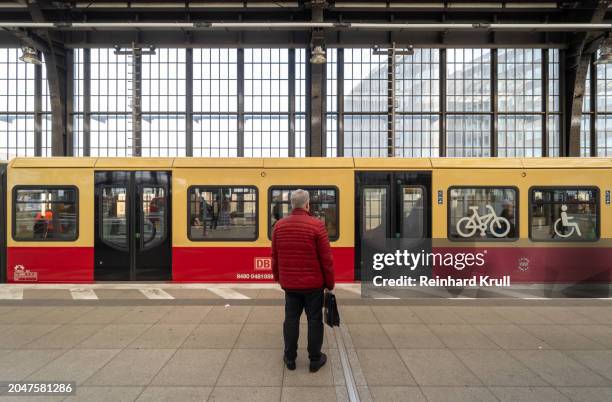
[
  {"x": 564, "y": 220},
  {"x": 498, "y": 226}
]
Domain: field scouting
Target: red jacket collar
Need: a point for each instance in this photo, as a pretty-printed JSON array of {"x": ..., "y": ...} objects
[{"x": 299, "y": 211}]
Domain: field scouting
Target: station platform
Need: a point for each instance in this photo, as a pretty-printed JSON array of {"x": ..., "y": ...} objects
[{"x": 224, "y": 343}]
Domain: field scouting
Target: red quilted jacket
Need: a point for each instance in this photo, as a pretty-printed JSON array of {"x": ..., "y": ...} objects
[{"x": 301, "y": 255}]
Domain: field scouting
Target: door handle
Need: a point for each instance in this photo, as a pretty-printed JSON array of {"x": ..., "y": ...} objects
[{"x": 137, "y": 235}]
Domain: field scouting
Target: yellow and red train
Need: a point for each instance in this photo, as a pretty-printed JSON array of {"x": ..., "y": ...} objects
[{"x": 209, "y": 220}]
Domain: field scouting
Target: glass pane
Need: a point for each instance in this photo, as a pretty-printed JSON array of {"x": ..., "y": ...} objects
[
  {"x": 564, "y": 214},
  {"x": 468, "y": 80},
  {"x": 412, "y": 212},
  {"x": 223, "y": 213},
  {"x": 114, "y": 216},
  {"x": 323, "y": 206},
  {"x": 374, "y": 213},
  {"x": 482, "y": 214},
  {"x": 45, "y": 214},
  {"x": 153, "y": 215}
]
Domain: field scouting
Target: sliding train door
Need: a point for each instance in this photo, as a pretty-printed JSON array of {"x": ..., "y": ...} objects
[
  {"x": 133, "y": 239},
  {"x": 2, "y": 223},
  {"x": 390, "y": 205}
]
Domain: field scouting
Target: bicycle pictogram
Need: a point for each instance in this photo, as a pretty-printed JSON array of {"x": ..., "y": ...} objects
[{"x": 498, "y": 226}]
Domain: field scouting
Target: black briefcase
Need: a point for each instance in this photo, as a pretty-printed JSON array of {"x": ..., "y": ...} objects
[{"x": 332, "y": 316}]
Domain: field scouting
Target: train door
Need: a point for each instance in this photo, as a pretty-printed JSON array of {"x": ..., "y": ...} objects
[
  {"x": 390, "y": 205},
  {"x": 2, "y": 223},
  {"x": 133, "y": 239}
]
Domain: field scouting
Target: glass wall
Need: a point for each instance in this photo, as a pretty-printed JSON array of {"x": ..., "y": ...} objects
[
  {"x": 17, "y": 105},
  {"x": 445, "y": 102},
  {"x": 215, "y": 102},
  {"x": 242, "y": 102},
  {"x": 252, "y": 102}
]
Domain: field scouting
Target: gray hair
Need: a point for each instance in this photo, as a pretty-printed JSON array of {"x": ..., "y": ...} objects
[{"x": 299, "y": 198}]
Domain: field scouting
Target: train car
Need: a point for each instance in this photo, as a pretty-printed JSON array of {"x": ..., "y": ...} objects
[{"x": 209, "y": 220}]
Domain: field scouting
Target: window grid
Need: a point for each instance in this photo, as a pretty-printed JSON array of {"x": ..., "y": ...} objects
[
  {"x": 417, "y": 136},
  {"x": 46, "y": 145},
  {"x": 417, "y": 124},
  {"x": 17, "y": 83},
  {"x": 603, "y": 115},
  {"x": 468, "y": 90},
  {"x": 110, "y": 134},
  {"x": 163, "y": 135},
  {"x": 215, "y": 135},
  {"x": 215, "y": 80},
  {"x": 16, "y": 135},
  {"x": 78, "y": 96},
  {"x": 554, "y": 102},
  {"x": 520, "y": 90},
  {"x": 300, "y": 102},
  {"x": 266, "y": 135},
  {"x": 17, "y": 95},
  {"x": 331, "y": 103},
  {"x": 416, "y": 79},
  {"x": 468, "y": 135},
  {"x": 266, "y": 102},
  {"x": 365, "y": 103}
]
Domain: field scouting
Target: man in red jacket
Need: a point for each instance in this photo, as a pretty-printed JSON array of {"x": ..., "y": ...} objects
[{"x": 302, "y": 264}]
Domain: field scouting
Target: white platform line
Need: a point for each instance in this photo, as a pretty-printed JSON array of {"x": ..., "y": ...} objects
[
  {"x": 515, "y": 294},
  {"x": 155, "y": 293},
  {"x": 11, "y": 293},
  {"x": 349, "y": 379},
  {"x": 83, "y": 294},
  {"x": 227, "y": 293}
]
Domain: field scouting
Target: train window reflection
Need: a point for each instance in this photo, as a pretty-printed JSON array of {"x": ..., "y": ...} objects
[
  {"x": 412, "y": 212},
  {"x": 223, "y": 213},
  {"x": 374, "y": 213},
  {"x": 114, "y": 216},
  {"x": 483, "y": 214},
  {"x": 323, "y": 206},
  {"x": 153, "y": 216},
  {"x": 45, "y": 214},
  {"x": 564, "y": 214}
]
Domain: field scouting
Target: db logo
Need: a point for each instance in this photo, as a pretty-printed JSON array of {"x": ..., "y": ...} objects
[
  {"x": 263, "y": 264},
  {"x": 20, "y": 274}
]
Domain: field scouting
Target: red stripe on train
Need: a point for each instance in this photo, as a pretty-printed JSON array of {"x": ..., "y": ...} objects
[
  {"x": 242, "y": 264},
  {"x": 537, "y": 264},
  {"x": 50, "y": 264},
  {"x": 238, "y": 264}
]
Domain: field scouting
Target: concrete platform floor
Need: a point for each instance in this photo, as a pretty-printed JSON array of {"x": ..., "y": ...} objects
[{"x": 230, "y": 350}]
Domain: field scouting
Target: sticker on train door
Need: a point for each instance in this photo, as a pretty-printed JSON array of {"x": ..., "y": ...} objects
[
  {"x": 21, "y": 274},
  {"x": 263, "y": 264}
]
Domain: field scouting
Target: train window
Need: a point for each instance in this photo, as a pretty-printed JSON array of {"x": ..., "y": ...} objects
[
  {"x": 483, "y": 213},
  {"x": 114, "y": 216},
  {"x": 153, "y": 216},
  {"x": 323, "y": 206},
  {"x": 374, "y": 213},
  {"x": 45, "y": 214},
  {"x": 222, "y": 213},
  {"x": 412, "y": 212},
  {"x": 564, "y": 214}
]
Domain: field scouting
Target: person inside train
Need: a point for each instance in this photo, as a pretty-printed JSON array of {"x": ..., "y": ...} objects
[{"x": 303, "y": 266}]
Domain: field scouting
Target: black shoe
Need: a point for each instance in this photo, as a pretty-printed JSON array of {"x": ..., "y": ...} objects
[
  {"x": 289, "y": 363},
  {"x": 317, "y": 364}
]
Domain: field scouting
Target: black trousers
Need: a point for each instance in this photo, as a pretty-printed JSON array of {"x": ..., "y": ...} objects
[{"x": 312, "y": 303}]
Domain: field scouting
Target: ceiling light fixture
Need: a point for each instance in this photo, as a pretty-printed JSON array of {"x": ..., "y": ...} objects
[
  {"x": 605, "y": 55},
  {"x": 29, "y": 55},
  {"x": 317, "y": 56}
]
